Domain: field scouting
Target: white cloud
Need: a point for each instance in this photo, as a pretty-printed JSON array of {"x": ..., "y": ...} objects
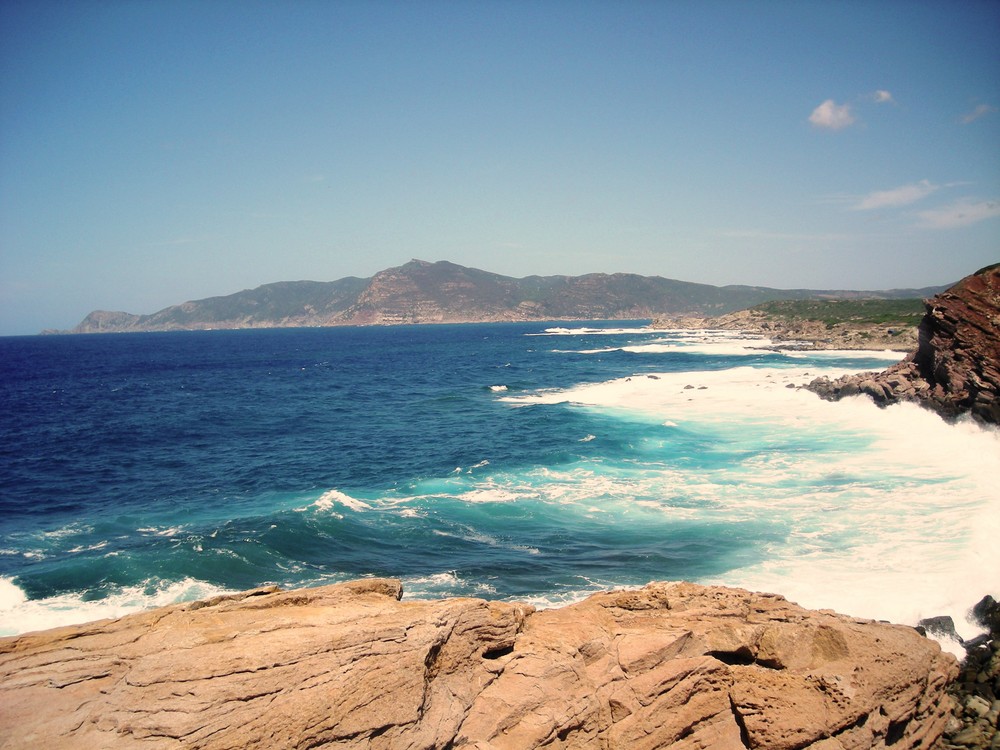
[
  {"x": 961, "y": 213},
  {"x": 882, "y": 97},
  {"x": 831, "y": 115},
  {"x": 900, "y": 196},
  {"x": 981, "y": 111}
]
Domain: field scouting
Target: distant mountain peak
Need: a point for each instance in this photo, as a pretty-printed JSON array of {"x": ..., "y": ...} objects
[{"x": 421, "y": 291}]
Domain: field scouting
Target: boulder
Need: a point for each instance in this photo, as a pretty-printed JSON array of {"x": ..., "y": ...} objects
[
  {"x": 986, "y": 613},
  {"x": 942, "y": 626},
  {"x": 671, "y": 665}
]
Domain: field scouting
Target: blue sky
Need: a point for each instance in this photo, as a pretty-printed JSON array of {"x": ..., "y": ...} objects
[{"x": 153, "y": 152}]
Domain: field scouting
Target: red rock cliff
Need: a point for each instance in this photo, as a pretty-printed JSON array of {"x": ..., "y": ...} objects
[{"x": 956, "y": 367}]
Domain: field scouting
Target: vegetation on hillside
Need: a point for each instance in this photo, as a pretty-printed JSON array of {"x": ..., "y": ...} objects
[{"x": 881, "y": 312}]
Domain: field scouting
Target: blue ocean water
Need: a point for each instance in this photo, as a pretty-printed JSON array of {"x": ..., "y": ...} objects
[{"x": 535, "y": 461}]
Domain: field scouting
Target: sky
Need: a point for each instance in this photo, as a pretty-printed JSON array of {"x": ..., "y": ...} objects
[{"x": 158, "y": 151}]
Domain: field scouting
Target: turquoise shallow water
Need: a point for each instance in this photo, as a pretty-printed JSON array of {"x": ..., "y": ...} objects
[{"x": 529, "y": 461}]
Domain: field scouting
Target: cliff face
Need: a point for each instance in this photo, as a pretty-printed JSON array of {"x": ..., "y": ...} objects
[
  {"x": 956, "y": 367},
  {"x": 671, "y": 665}
]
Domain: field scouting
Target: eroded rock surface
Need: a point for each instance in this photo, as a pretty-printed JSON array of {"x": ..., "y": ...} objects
[
  {"x": 956, "y": 367},
  {"x": 671, "y": 665}
]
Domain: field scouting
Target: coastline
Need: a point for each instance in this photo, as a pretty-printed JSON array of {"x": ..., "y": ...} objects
[
  {"x": 804, "y": 335},
  {"x": 698, "y": 391}
]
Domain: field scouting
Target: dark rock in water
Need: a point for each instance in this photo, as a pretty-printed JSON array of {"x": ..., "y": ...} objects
[
  {"x": 980, "y": 640},
  {"x": 975, "y": 722},
  {"x": 986, "y": 614},
  {"x": 942, "y": 626},
  {"x": 956, "y": 367}
]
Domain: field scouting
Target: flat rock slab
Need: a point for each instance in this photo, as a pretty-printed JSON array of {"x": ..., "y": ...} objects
[{"x": 351, "y": 665}]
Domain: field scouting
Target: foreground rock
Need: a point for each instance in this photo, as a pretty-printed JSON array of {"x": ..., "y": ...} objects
[
  {"x": 956, "y": 367},
  {"x": 671, "y": 665}
]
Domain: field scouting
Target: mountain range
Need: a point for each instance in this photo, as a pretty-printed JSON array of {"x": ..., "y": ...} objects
[{"x": 443, "y": 292}]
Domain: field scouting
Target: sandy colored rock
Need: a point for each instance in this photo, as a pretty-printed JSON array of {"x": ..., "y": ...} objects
[{"x": 670, "y": 665}]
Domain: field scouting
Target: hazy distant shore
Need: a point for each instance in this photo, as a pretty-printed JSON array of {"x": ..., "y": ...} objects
[{"x": 805, "y": 334}]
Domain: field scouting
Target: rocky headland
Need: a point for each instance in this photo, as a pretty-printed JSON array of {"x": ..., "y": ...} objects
[
  {"x": 671, "y": 665},
  {"x": 443, "y": 292},
  {"x": 836, "y": 323},
  {"x": 955, "y": 368}
]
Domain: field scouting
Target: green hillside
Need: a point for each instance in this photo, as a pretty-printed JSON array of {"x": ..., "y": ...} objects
[{"x": 883, "y": 312}]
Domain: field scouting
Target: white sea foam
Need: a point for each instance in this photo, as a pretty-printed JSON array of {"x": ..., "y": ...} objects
[
  {"x": 18, "y": 614},
  {"x": 563, "y": 596},
  {"x": 10, "y": 595},
  {"x": 737, "y": 346},
  {"x": 448, "y": 583},
  {"x": 894, "y": 515},
  {"x": 88, "y": 547},
  {"x": 491, "y": 494},
  {"x": 169, "y": 531},
  {"x": 498, "y": 388},
  {"x": 71, "y": 530},
  {"x": 887, "y": 354},
  {"x": 720, "y": 347},
  {"x": 586, "y": 331},
  {"x": 446, "y": 579},
  {"x": 330, "y": 498}
]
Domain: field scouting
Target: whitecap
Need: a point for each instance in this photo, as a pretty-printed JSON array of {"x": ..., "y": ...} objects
[
  {"x": 11, "y": 595},
  {"x": 88, "y": 548},
  {"x": 489, "y": 495},
  {"x": 327, "y": 500},
  {"x": 70, "y": 530},
  {"x": 18, "y": 614},
  {"x": 448, "y": 578},
  {"x": 169, "y": 531}
]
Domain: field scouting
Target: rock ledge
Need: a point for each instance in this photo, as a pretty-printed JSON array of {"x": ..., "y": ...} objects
[{"x": 350, "y": 665}]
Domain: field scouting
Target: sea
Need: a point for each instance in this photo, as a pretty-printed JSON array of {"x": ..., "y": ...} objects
[{"x": 538, "y": 462}]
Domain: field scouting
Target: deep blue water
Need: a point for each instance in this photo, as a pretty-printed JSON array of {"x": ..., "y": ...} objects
[{"x": 144, "y": 468}]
